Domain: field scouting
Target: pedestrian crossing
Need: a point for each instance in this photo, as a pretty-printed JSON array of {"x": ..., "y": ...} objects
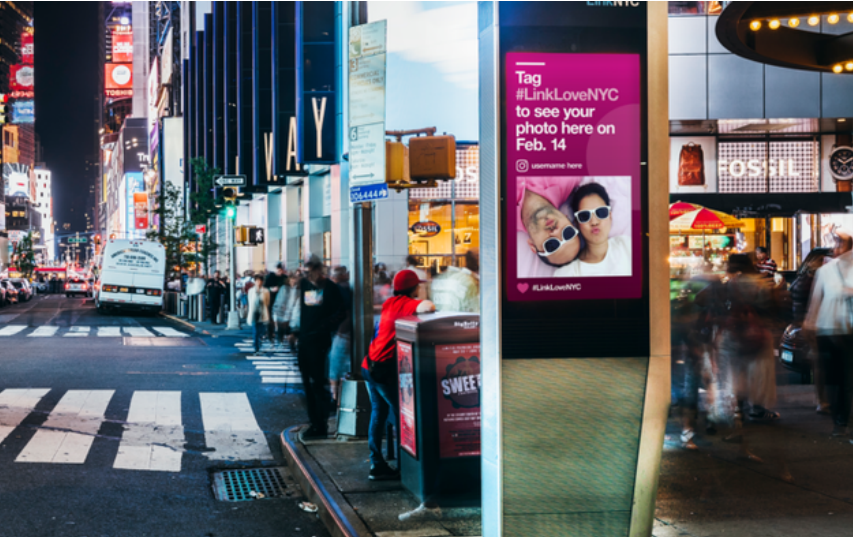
[
  {"x": 89, "y": 331},
  {"x": 153, "y": 437},
  {"x": 274, "y": 364}
]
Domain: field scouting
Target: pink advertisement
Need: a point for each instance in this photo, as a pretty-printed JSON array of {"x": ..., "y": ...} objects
[
  {"x": 405, "y": 366},
  {"x": 458, "y": 375},
  {"x": 573, "y": 146}
]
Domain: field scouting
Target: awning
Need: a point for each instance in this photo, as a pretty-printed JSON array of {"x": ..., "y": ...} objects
[{"x": 761, "y": 205}]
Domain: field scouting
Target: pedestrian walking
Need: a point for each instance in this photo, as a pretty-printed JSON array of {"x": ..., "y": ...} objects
[
  {"x": 763, "y": 264},
  {"x": 274, "y": 282},
  {"x": 830, "y": 319},
  {"x": 379, "y": 368},
  {"x": 341, "y": 352},
  {"x": 259, "y": 299},
  {"x": 214, "y": 290},
  {"x": 801, "y": 292},
  {"x": 321, "y": 312}
]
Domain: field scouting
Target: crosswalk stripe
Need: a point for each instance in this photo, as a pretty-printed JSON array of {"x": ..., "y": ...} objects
[
  {"x": 280, "y": 380},
  {"x": 78, "y": 331},
  {"x": 266, "y": 373},
  {"x": 16, "y": 405},
  {"x": 137, "y": 331},
  {"x": 44, "y": 331},
  {"x": 109, "y": 331},
  {"x": 230, "y": 428},
  {"x": 12, "y": 329},
  {"x": 276, "y": 368},
  {"x": 169, "y": 332},
  {"x": 81, "y": 411},
  {"x": 153, "y": 438},
  {"x": 261, "y": 363}
]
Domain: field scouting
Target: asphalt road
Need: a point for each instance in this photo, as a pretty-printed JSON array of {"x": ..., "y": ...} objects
[{"x": 115, "y": 426}]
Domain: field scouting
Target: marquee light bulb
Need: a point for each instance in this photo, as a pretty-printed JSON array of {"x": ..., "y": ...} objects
[
  {"x": 774, "y": 24},
  {"x": 794, "y": 22},
  {"x": 833, "y": 18},
  {"x": 850, "y": 17},
  {"x": 755, "y": 25},
  {"x": 814, "y": 20},
  {"x": 837, "y": 68},
  {"x": 849, "y": 66}
]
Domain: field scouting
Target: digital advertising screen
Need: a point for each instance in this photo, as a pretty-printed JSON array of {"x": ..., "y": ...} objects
[{"x": 573, "y": 152}]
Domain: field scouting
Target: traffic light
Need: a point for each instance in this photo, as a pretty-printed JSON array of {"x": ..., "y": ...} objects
[
  {"x": 97, "y": 240},
  {"x": 432, "y": 157},
  {"x": 230, "y": 212},
  {"x": 230, "y": 193},
  {"x": 395, "y": 162},
  {"x": 3, "y": 101}
]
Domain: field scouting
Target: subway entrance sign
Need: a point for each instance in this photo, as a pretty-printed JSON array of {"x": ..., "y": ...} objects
[{"x": 574, "y": 307}]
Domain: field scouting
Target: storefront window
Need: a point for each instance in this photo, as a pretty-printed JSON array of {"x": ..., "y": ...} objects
[{"x": 695, "y": 8}]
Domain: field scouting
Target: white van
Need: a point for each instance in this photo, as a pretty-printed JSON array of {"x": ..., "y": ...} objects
[{"x": 132, "y": 276}]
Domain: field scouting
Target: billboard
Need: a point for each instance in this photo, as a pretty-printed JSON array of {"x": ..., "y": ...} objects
[
  {"x": 23, "y": 112},
  {"x": 16, "y": 180},
  {"x": 122, "y": 47},
  {"x": 153, "y": 88},
  {"x": 166, "y": 65},
  {"x": 118, "y": 80},
  {"x": 21, "y": 77},
  {"x": 576, "y": 231},
  {"x": 27, "y": 48},
  {"x": 140, "y": 210}
]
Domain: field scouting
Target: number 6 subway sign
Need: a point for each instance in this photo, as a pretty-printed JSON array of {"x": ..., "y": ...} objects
[{"x": 573, "y": 147}]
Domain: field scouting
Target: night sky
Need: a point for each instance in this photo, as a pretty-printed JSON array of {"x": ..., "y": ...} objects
[{"x": 66, "y": 84}]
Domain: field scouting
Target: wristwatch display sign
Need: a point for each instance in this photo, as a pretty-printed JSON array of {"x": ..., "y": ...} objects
[{"x": 841, "y": 162}]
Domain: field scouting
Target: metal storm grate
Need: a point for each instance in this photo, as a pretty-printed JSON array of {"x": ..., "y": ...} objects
[{"x": 250, "y": 484}]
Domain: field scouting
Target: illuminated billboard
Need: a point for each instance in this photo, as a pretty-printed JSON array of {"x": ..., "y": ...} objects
[
  {"x": 122, "y": 46},
  {"x": 16, "y": 180},
  {"x": 21, "y": 77},
  {"x": 23, "y": 112},
  {"x": 118, "y": 80},
  {"x": 27, "y": 48}
]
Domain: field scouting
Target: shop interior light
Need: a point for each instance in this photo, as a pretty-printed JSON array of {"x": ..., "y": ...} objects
[
  {"x": 814, "y": 20},
  {"x": 773, "y": 24},
  {"x": 833, "y": 18},
  {"x": 755, "y": 25},
  {"x": 842, "y": 120},
  {"x": 837, "y": 68},
  {"x": 794, "y": 22}
]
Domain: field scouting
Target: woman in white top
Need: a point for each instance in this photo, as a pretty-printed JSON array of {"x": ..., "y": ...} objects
[
  {"x": 259, "y": 303},
  {"x": 603, "y": 255}
]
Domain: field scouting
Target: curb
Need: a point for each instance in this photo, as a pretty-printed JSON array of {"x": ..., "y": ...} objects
[
  {"x": 336, "y": 513},
  {"x": 188, "y": 324}
]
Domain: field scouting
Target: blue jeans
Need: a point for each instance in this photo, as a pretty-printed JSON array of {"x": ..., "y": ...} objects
[
  {"x": 259, "y": 330},
  {"x": 384, "y": 400}
]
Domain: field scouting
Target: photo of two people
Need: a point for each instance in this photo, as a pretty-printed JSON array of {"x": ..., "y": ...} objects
[{"x": 570, "y": 227}]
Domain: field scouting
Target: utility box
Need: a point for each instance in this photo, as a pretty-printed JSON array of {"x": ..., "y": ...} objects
[
  {"x": 438, "y": 360},
  {"x": 432, "y": 157}
]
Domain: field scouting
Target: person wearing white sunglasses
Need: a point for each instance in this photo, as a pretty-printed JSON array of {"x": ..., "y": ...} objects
[
  {"x": 602, "y": 255},
  {"x": 551, "y": 235}
]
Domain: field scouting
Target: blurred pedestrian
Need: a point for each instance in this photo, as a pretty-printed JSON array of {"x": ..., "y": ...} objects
[
  {"x": 830, "y": 318},
  {"x": 763, "y": 264},
  {"x": 214, "y": 290},
  {"x": 321, "y": 312},
  {"x": 458, "y": 289},
  {"x": 379, "y": 368},
  {"x": 258, "y": 317},
  {"x": 341, "y": 353},
  {"x": 273, "y": 282},
  {"x": 801, "y": 292}
]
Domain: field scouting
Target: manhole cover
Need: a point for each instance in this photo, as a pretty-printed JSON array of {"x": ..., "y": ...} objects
[{"x": 250, "y": 484}]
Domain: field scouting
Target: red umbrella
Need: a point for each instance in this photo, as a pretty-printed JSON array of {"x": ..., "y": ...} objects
[{"x": 681, "y": 207}]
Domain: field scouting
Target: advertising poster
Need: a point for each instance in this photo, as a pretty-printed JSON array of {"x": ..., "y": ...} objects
[
  {"x": 27, "y": 48},
  {"x": 573, "y": 147},
  {"x": 458, "y": 376},
  {"x": 405, "y": 366},
  {"x": 21, "y": 77},
  {"x": 140, "y": 209},
  {"x": 23, "y": 112},
  {"x": 118, "y": 80},
  {"x": 122, "y": 44}
]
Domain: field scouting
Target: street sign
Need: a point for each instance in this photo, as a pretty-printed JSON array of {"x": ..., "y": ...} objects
[
  {"x": 357, "y": 194},
  {"x": 77, "y": 240},
  {"x": 230, "y": 180},
  {"x": 200, "y": 229},
  {"x": 256, "y": 235},
  {"x": 366, "y": 97}
]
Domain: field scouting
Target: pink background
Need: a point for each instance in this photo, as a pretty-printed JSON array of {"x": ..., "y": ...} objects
[{"x": 613, "y": 155}]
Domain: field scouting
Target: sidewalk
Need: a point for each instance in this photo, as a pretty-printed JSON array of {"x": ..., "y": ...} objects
[
  {"x": 333, "y": 475},
  {"x": 210, "y": 329}
]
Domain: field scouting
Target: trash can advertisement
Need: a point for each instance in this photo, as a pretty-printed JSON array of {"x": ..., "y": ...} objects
[
  {"x": 573, "y": 146},
  {"x": 458, "y": 376},
  {"x": 405, "y": 363}
]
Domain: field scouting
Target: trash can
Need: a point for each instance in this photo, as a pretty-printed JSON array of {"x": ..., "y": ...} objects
[{"x": 438, "y": 358}]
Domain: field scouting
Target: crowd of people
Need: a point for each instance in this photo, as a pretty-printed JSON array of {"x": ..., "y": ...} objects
[{"x": 726, "y": 340}]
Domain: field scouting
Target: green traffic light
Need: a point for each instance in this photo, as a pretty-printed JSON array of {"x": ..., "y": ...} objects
[{"x": 230, "y": 212}]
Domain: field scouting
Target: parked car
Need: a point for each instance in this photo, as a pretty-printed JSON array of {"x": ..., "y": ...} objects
[
  {"x": 78, "y": 286},
  {"x": 25, "y": 291},
  {"x": 11, "y": 292}
]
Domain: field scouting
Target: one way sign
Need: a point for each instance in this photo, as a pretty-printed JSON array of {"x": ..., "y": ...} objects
[{"x": 230, "y": 180}]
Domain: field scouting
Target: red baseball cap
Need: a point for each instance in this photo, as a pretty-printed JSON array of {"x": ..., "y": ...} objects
[{"x": 406, "y": 279}]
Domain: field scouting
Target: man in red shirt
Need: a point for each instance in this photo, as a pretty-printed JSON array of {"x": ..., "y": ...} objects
[{"x": 379, "y": 368}]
